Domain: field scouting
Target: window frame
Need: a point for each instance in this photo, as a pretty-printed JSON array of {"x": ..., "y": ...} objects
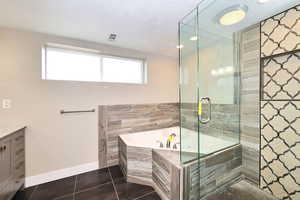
[{"x": 82, "y": 51}]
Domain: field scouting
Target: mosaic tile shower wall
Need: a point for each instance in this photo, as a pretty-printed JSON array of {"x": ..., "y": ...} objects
[
  {"x": 280, "y": 105},
  {"x": 281, "y": 78},
  {"x": 280, "y": 33}
]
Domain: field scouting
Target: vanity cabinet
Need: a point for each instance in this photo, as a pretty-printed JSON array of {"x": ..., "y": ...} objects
[{"x": 12, "y": 164}]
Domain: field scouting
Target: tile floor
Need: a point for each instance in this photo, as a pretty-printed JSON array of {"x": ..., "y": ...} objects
[{"x": 103, "y": 184}]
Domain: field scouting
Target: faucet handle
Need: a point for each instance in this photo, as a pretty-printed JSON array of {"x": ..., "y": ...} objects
[
  {"x": 161, "y": 145},
  {"x": 175, "y": 145},
  {"x": 173, "y": 135}
]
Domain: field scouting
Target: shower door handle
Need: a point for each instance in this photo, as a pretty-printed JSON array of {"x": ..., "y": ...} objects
[{"x": 201, "y": 119}]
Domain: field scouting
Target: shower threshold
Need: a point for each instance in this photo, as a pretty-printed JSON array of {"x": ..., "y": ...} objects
[{"x": 242, "y": 190}]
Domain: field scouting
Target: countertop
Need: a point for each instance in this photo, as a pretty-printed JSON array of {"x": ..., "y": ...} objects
[{"x": 9, "y": 129}]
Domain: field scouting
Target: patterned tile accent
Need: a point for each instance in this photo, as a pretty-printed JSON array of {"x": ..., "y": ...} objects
[
  {"x": 280, "y": 33},
  {"x": 280, "y": 113},
  {"x": 115, "y": 120},
  {"x": 281, "y": 77},
  {"x": 280, "y": 148}
]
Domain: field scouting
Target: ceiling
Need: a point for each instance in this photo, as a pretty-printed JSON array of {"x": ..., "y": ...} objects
[{"x": 149, "y": 26}]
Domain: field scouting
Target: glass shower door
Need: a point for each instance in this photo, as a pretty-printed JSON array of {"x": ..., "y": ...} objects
[
  {"x": 187, "y": 46},
  {"x": 218, "y": 88},
  {"x": 209, "y": 87}
]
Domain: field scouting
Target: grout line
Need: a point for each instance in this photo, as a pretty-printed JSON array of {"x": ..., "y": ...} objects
[
  {"x": 113, "y": 184},
  {"x": 61, "y": 197},
  {"x": 94, "y": 187},
  {"x": 85, "y": 190},
  {"x": 76, "y": 177},
  {"x": 144, "y": 195},
  {"x": 35, "y": 188}
]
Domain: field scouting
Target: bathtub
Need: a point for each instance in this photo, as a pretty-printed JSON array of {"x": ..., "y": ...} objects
[
  {"x": 143, "y": 161},
  {"x": 135, "y": 152},
  {"x": 153, "y": 138}
]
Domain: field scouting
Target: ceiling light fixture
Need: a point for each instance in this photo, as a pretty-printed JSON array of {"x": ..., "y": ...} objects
[
  {"x": 179, "y": 46},
  {"x": 263, "y": 1},
  {"x": 194, "y": 38},
  {"x": 232, "y": 15}
]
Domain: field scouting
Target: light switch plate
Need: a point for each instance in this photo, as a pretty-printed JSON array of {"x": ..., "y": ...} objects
[{"x": 6, "y": 103}]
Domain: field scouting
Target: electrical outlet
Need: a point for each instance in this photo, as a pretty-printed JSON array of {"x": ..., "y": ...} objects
[{"x": 6, "y": 103}]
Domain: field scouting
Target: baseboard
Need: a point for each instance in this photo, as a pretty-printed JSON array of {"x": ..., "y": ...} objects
[{"x": 59, "y": 174}]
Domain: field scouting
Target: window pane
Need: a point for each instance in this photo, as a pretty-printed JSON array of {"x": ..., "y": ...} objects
[
  {"x": 71, "y": 65},
  {"x": 122, "y": 70}
]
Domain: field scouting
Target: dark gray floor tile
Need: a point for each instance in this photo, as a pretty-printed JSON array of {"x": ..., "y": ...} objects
[
  {"x": 54, "y": 189},
  {"x": 129, "y": 191},
  {"x": 67, "y": 197},
  {"x": 24, "y": 194},
  {"x": 103, "y": 192},
  {"x": 152, "y": 196},
  {"x": 116, "y": 172},
  {"x": 92, "y": 179}
]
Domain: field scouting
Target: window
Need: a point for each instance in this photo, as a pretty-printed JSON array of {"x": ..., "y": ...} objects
[
  {"x": 83, "y": 65},
  {"x": 122, "y": 70}
]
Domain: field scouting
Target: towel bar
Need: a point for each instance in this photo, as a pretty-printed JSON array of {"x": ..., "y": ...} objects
[{"x": 76, "y": 111}]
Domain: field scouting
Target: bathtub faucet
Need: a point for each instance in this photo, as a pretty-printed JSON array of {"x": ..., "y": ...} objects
[
  {"x": 175, "y": 145},
  {"x": 170, "y": 138}
]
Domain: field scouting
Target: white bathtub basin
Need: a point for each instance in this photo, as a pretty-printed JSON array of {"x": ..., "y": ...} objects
[{"x": 152, "y": 139}]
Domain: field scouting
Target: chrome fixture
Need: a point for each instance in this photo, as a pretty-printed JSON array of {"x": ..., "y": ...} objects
[
  {"x": 204, "y": 100},
  {"x": 161, "y": 145},
  {"x": 170, "y": 138},
  {"x": 175, "y": 145},
  {"x": 76, "y": 111}
]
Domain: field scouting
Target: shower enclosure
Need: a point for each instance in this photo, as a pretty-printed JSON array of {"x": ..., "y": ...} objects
[
  {"x": 217, "y": 40},
  {"x": 209, "y": 86},
  {"x": 209, "y": 102}
]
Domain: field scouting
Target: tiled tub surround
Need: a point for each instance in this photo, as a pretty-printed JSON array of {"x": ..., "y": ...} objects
[
  {"x": 280, "y": 107},
  {"x": 153, "y": 139},
  {"x": 167, "y": 174},
  {"x": 217, "y": 171},
  {"x": 136, "y": 163},
  {"x": 162, "y": 168},
  {"x": 158, "y": 168},
  {"x": 115, "y": 120},
  {"x": 198, "y": 179},
  {"x": 135, "y": 155}
]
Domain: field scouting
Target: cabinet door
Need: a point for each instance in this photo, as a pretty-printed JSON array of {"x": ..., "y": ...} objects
[
  {"x": 6, "y": 161},
  {"x": 18, "y": 151}
]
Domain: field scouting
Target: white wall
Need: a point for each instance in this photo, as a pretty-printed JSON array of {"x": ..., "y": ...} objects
[{"x": 56, "y": 141}]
